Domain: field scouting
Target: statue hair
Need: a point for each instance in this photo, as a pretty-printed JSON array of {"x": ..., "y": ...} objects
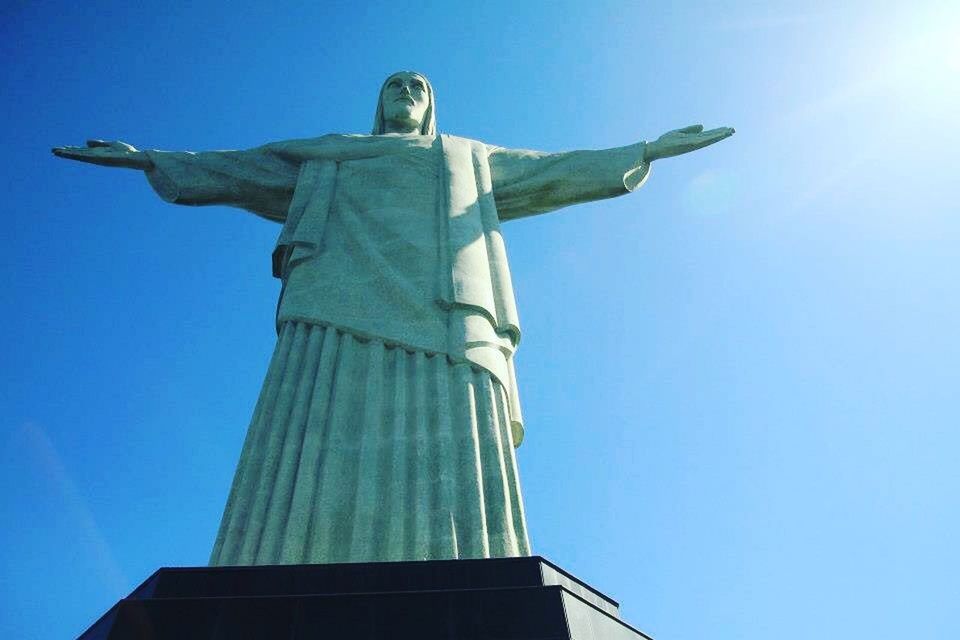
[{"x": 429, "y": 125}]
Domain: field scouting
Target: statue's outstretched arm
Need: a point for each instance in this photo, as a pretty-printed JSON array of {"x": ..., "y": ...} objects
[
  {"x": 107, "y": 154},
  {"x": 528, "y": 183},
  {"x": 257, "y": 180}
]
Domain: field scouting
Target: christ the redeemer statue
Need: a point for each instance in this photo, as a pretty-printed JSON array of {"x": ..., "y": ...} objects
[{"x": 386, "y": 426}]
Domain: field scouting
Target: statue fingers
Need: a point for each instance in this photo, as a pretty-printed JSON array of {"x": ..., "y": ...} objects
[
  {"x": 723, "y": 132},
  {"x": 694, "y": 128},
  {"x": 95, "y": 155},
  {"x": 73, "y": 153},
  {"x": 712, "y": 136}
]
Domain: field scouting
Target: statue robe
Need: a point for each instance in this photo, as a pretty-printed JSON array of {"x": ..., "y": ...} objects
[{"x": 386, "y": 426}]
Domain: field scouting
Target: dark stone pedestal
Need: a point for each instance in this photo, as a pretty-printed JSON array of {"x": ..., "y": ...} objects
[{"x": 496, "y": 599}]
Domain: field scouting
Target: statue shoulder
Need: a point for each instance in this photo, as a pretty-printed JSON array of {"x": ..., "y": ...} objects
[
  {"x": 326, "y": 138},
  {"x": 460, "y": 140},
  {"x": 475, "y": 147}
]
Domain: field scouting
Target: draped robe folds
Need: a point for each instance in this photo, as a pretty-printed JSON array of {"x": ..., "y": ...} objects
[{"x": 358, "y": 278}]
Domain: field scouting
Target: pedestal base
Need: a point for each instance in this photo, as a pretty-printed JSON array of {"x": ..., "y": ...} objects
[{"x": 495, "y": 599}]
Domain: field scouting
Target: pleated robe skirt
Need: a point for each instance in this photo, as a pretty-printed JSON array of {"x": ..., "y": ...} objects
[{"x": 359, "y": 451}]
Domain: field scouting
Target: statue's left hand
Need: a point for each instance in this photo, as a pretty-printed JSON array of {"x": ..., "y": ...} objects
[
  {"x": 107, "y": 154},
  {"x": 685, "y": 140}
]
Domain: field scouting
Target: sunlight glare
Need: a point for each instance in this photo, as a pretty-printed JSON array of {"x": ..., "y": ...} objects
[{"x": 925, "y": 65}]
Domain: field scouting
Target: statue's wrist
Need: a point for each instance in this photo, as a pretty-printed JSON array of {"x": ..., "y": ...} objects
[
  {"x": 650, "y": 151},
  {"x": 142, "y": 161}
]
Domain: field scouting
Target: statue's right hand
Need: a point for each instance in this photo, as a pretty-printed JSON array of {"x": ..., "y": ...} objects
[{"x": 108, "y": 154}]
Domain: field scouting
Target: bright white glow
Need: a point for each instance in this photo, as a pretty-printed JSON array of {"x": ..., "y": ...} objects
[
  {"x": 928, "y": 62},
  {"x": 894, "y": 72}
]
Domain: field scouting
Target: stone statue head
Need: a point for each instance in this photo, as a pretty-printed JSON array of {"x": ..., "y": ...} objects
[{"x": 406, "y": 94}]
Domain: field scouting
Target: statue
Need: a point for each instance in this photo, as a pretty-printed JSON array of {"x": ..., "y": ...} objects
[{"x": 387, "y": 423}]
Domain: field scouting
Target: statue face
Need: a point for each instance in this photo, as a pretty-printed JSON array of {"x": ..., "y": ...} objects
[{"x": 405, "y": 99}]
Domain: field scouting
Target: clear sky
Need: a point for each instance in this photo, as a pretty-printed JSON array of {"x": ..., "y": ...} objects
[{"x": 740, "y": 383}]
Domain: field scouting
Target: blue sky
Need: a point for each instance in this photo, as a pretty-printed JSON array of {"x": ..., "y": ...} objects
[{"x": 740, "y": 383}]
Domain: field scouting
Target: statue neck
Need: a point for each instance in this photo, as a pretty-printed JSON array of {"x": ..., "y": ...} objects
[{"x": 401, "y": 126}]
